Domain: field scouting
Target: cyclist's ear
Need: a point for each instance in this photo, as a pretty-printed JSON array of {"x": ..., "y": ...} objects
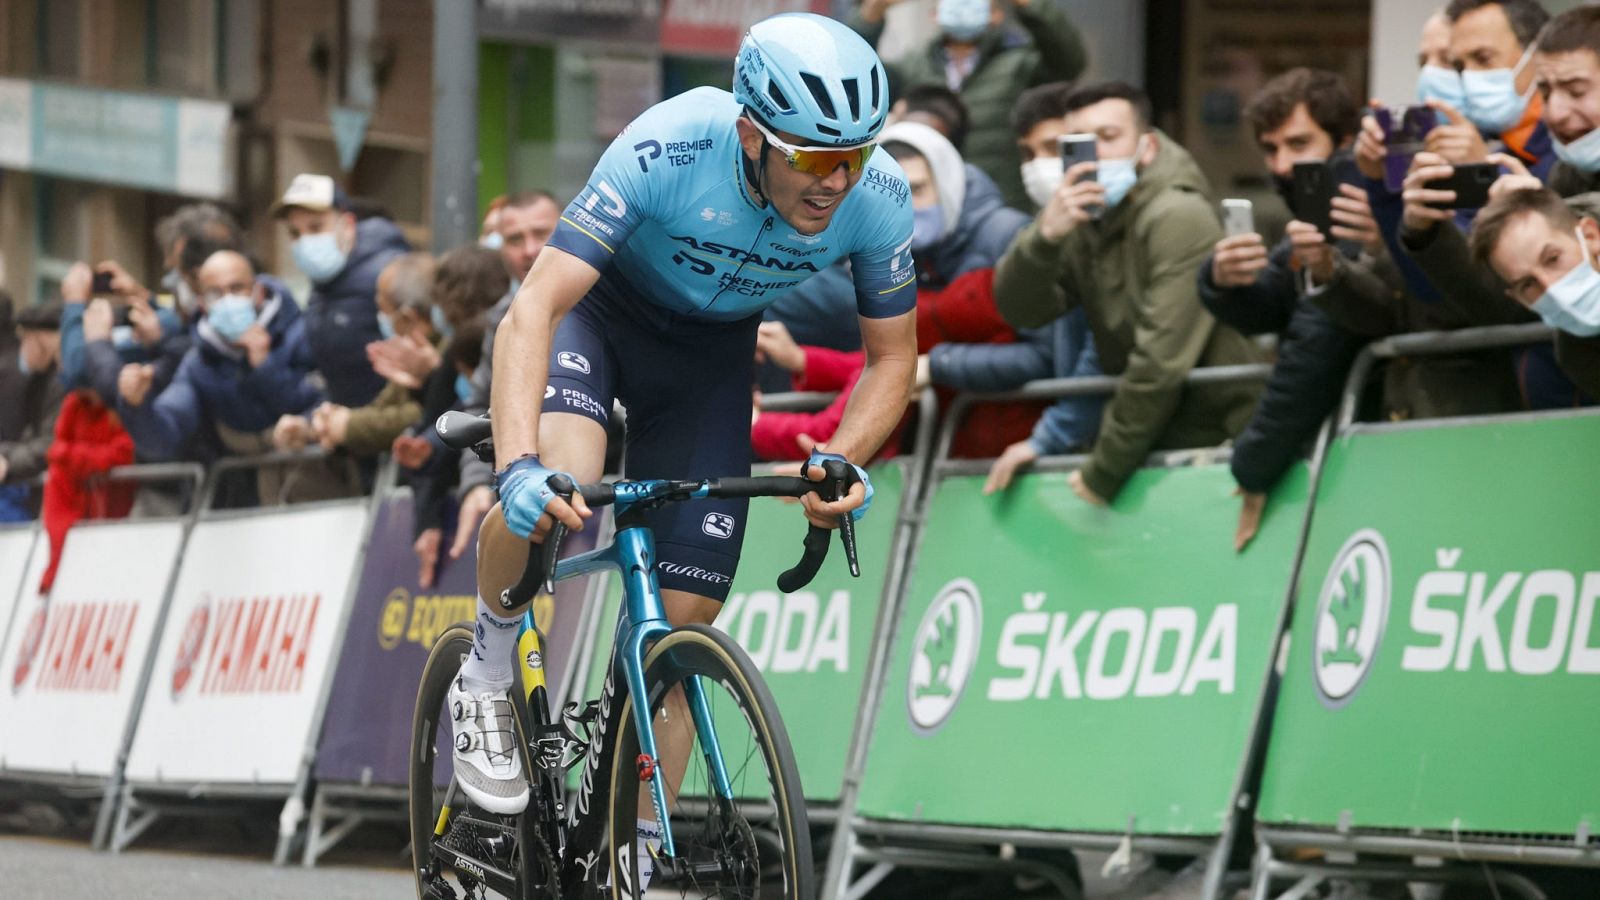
[{"x": 750, "y": 139}]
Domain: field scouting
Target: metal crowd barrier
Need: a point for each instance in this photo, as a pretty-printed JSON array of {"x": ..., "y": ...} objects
[
  {"x": 1441, "y": 825},
  {"x": 866, "y": 835}
]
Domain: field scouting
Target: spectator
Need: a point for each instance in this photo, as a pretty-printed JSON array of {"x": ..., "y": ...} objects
[
  {"x": 988, "y": 65},
  {"x": 1567, "y": 70},
  {"x": 342, "y": 257},
  {"x": 99, "y": 335},
  {"x": 1437, "y": 78},
  {"x": 1492, "y": 42},
  {"x": 430, "y": 468},
  {"x": 489, "y": 236},
  {"x": 527, "y": 219},
  {"x": 792, "y": 435},
  {"x": 89, "y": 441},
  {"x": 1303, "y": 115},
  {"x": 194, "y": 220},
  {"x": 28, "y": 413},
  {"x": 1544, "y": 250},
  {"x": 406, "y": 317},
  {"x": 935, "y": 106},
  {"x": 248, "y": 367},
  {"x": 1134, "y": 270}
]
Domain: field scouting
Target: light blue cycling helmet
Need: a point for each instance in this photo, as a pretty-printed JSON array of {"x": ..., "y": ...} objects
[{"x": 813, "y": 77}]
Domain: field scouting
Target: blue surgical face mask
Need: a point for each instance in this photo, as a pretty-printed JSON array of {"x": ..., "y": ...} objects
[
  {"x": 1572, "y": 304},
  {"x": 440, "y": 323},
  {"x": 963, "y": 20},
  {"x": 927, "y": 227},
  {"x": 385, "y": 326},
  {"x": 464, "y": 388},
  {"x": 1492, "y": 101},
  {"x": 492, "y": 241},
  {"x": 1582, "y": 154},
  {"x": 231, "y": 316},
  {"x": 1119, "y": 175},
  {"x": 319, "y": 256},
  {"x": 22, "y": 364},
  {"x": 1442, "y": 84}
]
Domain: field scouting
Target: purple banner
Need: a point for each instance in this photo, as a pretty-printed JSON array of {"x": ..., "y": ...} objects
[{"x": 392, "y": 627}]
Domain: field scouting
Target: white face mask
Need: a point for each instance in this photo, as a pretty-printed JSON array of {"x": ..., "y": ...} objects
[
  {"x": 1572, "y": 304},
  {"x": 1040, "y": 178}
]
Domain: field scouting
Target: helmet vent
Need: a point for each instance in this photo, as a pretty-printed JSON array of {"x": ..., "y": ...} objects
[
  {"x": 819, "y": 93},
  {"x": 877, "y": 90},
  {"x": 778, "y": 97},
  {"x": 828, "y": 129},
  {"x": 852, "y": 95}
]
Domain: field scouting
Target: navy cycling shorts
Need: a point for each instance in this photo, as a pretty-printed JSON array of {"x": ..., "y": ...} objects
[{"x": 685, "y": 384}]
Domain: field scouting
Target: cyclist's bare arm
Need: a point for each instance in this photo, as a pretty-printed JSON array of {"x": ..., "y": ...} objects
[
  {"x": 875, "y": 406},
  {"x": 553, "y": 287}
]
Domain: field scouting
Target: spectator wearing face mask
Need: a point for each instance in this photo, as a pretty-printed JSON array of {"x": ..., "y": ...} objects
[
  {"x": 248, "y": 367},
  {"x": 1544, "y": 250},
  {"x": 1127, "y": 247},
  {"x": 342, "y": 256},
  {"x": 406, "y": 315},
  {"x": 1301, "y": 116},
  {"x": 988, "y": 64},
  {"x": 29, "y": 409},
  {"x": 100, "y": 335}
]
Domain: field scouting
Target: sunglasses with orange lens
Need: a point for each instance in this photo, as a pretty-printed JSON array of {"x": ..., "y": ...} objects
[{"x": 819, "y": 161}]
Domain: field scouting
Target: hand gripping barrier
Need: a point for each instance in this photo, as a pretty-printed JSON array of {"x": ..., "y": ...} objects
[
  {"x": 1069, "y": 676},
  {"x": 1443, "y": 649},
  {"x": 77, "y": 662},
  {"x": 240, "y": 677}
]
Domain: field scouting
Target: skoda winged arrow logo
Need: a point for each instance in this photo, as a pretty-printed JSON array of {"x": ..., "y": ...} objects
[
  {"x": 946, "y": 652},
  {"x": 1352, "y": 611}
]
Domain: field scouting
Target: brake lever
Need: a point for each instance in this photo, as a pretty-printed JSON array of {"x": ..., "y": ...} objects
[{"x": 842, "y": 476}]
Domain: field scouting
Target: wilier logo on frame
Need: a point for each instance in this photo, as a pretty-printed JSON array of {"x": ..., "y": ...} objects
[
  {"x": 947, "y": 641},
  {"x": 1352, "y": 612}
]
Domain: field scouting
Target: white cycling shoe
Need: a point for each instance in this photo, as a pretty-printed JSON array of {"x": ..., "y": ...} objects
[{"x": 488, "y": 766}]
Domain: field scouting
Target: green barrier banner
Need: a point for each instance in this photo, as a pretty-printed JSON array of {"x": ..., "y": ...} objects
[
  {"x": 1444, "y": 662},
  {"x": 812, "y": 646},
  {"x": 1065, "y": 667}
]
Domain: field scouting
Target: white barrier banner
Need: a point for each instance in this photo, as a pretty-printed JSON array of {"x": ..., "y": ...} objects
[
  {"x": 72, "y": 662},
  {"x": 16, "y": 543},
  {"x": 247, "y": 646}
]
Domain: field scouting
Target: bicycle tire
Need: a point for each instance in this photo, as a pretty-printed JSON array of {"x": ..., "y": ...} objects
[
  {"x": 745, "y": 869},
  {"x": 444, "y": 661}
]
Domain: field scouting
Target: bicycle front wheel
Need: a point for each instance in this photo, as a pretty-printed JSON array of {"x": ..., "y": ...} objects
[{"x": 748, "y": 842}]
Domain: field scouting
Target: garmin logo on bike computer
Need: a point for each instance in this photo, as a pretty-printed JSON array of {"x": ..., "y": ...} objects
[
  {"x": 946, "y": 652},
  {"x": 718, "y": 525},
  {"x": 1352, "y": 611},
  {"x": 574, "y": 361}
]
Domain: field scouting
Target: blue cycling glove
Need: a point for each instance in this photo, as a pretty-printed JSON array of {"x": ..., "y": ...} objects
[
  {"x": 860, "y": 512},
  {"x": 524, "y": 493}
]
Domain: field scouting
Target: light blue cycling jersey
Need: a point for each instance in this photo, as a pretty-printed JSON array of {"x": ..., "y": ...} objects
[{"x": 666, "y": 216}]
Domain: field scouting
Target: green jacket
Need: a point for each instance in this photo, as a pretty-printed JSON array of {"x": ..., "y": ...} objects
[
  {"x": 1007, "y": 64},
  {"x": 1134, "y": 272}
]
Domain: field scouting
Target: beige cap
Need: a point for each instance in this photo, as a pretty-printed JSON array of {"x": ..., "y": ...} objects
[{"x": 307, "y": 191}]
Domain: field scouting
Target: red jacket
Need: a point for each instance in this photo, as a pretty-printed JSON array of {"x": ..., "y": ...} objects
[
  {"x": 776, "y": 435},
  {"x": 89, "y": 441}
]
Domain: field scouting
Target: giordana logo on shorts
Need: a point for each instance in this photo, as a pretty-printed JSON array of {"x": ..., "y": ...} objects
[
  {"x": 574, "y": 361},
  {"x": 946, "y": 652},
  {"x": 718, "y": 525},
  {"x": 1352, "y": 611}
]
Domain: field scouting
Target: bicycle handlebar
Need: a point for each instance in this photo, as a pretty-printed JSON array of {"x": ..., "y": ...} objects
[{"x": 462, "y": 431}]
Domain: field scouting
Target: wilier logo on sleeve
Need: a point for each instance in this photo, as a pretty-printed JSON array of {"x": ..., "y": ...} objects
[
  {"x": 1352, "y": 612},
  {"x": 946, "y": 652}
]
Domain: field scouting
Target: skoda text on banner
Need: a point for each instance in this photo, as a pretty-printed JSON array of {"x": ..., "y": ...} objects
[
  {"x": 247, "y": 644},
  {"x": 1444, "y": 663},
  {"x": 72, "y": 662},
  {"x": 392, "y": 628},
  {"x": 1113, "y": 656}
]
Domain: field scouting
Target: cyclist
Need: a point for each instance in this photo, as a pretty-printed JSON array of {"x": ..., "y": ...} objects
[{"x": 704, "y": 211}]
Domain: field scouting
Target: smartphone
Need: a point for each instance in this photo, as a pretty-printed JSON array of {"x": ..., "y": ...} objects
[
  {"x": 1471, "y": 183},
  {"x": 1405, "y": 131},
  {"x": 1312, "y": 201},
  {"x": 101, "y": 285},
  {"x": 1079, "y": 148},
  {"x": 1238, "y": 217}
]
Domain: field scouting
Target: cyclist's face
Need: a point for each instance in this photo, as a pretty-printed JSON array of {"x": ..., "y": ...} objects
[{"x": 802, "y": 199}]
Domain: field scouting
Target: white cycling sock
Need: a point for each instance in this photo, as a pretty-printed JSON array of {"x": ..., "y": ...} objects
[
  {"x": 490, "y": 665},
  {"x": 650, "y": 839}
]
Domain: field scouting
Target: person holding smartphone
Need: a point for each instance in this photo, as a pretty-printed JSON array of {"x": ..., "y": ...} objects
[{"x": 1304, "y": 117}]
